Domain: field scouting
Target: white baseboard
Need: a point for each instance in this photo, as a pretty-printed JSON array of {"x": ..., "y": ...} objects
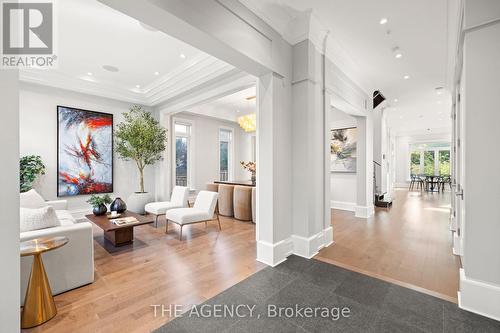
[
  {"x": 308, "y": 247},
  {"x": 364, "y": 211},
  {"x": 274, "y": 254},
  {"x": 343, "y": 205},
  {"x": 479, "y": 297}
]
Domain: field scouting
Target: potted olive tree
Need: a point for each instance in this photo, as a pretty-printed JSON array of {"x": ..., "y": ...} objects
[{"x": 140, "y": 138}]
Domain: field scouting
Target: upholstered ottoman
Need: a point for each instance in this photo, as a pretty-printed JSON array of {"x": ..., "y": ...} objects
[
  {"x": 242, "y": 202},
  {"x": 226, "y": 200}
]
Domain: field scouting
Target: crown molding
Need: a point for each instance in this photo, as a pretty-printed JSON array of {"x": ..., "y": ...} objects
[{"x": 201, "y": 70}]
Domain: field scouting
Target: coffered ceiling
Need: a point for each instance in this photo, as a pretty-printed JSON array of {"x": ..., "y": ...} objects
[{"x": 106, "y": 53}]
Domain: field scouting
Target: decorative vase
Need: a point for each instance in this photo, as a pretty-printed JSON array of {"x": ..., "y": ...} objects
[
  {"x": 118, "y": 205},
  {"x": 99, "y": 210},
  {"x": 253, "y": 178},
  {"x": 137, "y": 201}
]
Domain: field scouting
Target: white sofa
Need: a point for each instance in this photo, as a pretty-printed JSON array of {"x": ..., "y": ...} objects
[{"x": 70, "y": 266}]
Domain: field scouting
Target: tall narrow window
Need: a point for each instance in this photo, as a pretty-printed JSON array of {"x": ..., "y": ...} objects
[
  {"x": 182, "y": 150},
  {"x": 415, "y": 163},
  {"x": 429, "y": 163},
  {"x": 444, "y": 162},
  {"x": 225, "y": 138}
]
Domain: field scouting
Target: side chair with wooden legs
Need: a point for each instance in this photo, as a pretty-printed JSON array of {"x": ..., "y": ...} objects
[{"x": 203, "y": 210}]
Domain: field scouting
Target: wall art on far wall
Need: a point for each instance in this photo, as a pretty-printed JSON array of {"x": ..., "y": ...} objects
[
  {"x": 84, "y": 152},
  {"x": 343, "y": 144}
]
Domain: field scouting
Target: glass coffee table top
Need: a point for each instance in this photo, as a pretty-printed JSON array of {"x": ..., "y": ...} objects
[{"x": 40, "y": 245}]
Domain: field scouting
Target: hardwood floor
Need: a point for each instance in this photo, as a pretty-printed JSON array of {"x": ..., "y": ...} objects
[
  {"x": 160, "y": 269},
  {"x": 409, "y": 244}
]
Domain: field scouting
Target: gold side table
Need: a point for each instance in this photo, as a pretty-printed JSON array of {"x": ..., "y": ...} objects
[{"x": 39, "y": 306}]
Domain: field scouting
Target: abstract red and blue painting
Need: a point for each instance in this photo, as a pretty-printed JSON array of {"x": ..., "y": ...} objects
[{"x": 85, "y": 152}]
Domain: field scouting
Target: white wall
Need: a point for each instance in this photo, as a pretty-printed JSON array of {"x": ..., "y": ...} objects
[
  {"x": 38, "y": 136},
  {"x": 205, "y": 148},
  {"x": 402, "y": 152},
  {"x": 9, "y": 201},
  {"x": 343, "y": 185}
]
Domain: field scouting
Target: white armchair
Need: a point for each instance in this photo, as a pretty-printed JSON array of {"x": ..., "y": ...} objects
[
  {"x": 178, "y": 199},
  {"x": 202, "y": 211},
  {"x": 70, "y": 266}
]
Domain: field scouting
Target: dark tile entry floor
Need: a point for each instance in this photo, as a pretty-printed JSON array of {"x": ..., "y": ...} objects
[{"x": 374, "y": 305}]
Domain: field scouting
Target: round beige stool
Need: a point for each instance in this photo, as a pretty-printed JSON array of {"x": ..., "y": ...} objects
[
  {"x": 212, "y": 187},
  {"x": 242, "y": 203},
  {"x": 226, "y": 200}
]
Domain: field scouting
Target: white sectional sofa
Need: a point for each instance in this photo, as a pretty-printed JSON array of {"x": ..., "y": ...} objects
[{"x": 70, "y": 266}]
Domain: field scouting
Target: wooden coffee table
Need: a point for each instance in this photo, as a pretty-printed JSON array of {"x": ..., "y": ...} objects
[{"x": 119, "y": 235}]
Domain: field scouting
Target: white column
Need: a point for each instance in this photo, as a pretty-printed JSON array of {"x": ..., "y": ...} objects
[
  {"x": 274, "y": 189},
  {"x": 364, "y": 203},
  {"x": 9, "y": 202}
]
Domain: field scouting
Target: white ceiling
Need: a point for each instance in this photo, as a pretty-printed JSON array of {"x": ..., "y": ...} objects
[
  {"x": 418, "y": 28},
  {"x": 229, "y": 107},
  {"x": 92, "y": 35},
  {"x": 154, "y": 68}
]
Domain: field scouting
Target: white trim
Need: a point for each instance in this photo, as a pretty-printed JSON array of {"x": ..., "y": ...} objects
[
  {"x": 343, "y": 205},
  {"x": 364, "y": 211},
  {"x": 457, "y": 245},
  {"x": 274, "y": 254},
  {"x": 309, "y": 247},
  {"x": 190, "y": 76},
  {"x": 479, "y": 297}
]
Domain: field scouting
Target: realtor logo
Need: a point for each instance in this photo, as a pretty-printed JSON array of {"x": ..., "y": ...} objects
[{"x": 27, "y": 34}]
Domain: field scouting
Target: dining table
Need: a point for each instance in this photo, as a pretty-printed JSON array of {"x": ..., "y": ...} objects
[{"x": 433, "y": 181}]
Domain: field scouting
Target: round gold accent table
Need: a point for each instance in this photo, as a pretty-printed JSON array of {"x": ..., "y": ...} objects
[{"x": 39, "y": 305}]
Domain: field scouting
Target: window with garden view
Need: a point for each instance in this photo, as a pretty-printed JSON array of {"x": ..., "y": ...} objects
[
  {"x": 182, "y": 150},
  {"x": 430, "y": 159}
]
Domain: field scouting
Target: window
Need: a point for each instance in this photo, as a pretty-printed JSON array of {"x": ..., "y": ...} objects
[
  {"x": 225, "y": 139},
  {"x": 430, "y": 159},
  {"x": 444, "y": 162},
  {"x": 182, "y": 151},
  {"x": 415, "y": 163}
]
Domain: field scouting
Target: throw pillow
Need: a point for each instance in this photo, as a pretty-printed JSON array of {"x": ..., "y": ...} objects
[
  {"x": 38, "y": 218},
  {"x": 31, "y": 199}
]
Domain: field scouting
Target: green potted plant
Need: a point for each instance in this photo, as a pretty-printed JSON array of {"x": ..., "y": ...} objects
[
  {"x": 30, "y": 167},
  {"x": 99, "y": 204},
  {"x": 140, "y": 138}
]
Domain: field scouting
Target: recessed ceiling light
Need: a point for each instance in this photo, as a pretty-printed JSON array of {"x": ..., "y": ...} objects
[
  {"x": 439, "y": 102},
  {"x": 400, "y": 117},
  {"x": 157, "y": 73},
  {"x": 439, "y": 90},
  {"x": 397, "y": 52},
  {"x": 395, "y": 100},
  {"x": 110, "y": 68},
  {"x": 383, "y": 21},
  {"x": 137, "y": 86},
  {"x": 89, "y": 73},
  {"x": 238, "y": 111},
  {"x": 440, "y": 112},
  {"x": 182, "y": 55},
  {"x": 406, "y": 77}
]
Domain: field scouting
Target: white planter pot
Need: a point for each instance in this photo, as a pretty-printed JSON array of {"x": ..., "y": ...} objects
[{"x": 136, "y": 202}]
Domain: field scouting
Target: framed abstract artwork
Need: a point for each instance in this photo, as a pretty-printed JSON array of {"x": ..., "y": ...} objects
[
  {"x": 343, "y": 144},
  {"x": 84, "y": 152}
]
